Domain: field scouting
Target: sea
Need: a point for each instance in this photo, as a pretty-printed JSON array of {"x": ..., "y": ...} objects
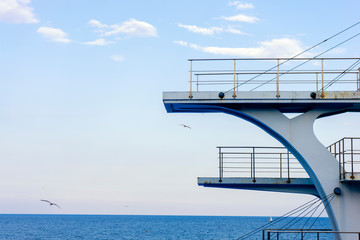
[{"x": 111, "y": 227}]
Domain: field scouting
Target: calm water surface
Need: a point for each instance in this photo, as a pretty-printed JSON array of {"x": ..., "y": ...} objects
[{"x": 108, "y": 227}]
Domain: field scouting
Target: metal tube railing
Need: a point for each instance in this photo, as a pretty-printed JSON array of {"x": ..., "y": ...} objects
[
  {"x": 352, "y": 158},
  {"x": 322, "y": 78},
  {"x": 258, "y": 162},
  {"x": 277, "y": 79},
  {"x": 221, "y": 165},
  {"x": 234, "y": 95},
  {"x": 288, "y": 165},
  {"x": 346, "y": 151},
  {"x": 305, "y": 232},
  {"x": 191, "y": 73},
  {"x": 253, "y": 159},
  {"x": 275, "y": 70}
]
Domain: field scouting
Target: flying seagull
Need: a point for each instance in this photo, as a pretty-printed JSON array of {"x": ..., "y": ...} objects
[
  {"x": 185, "y": 126},
  {"x": 51, "y": 203}
]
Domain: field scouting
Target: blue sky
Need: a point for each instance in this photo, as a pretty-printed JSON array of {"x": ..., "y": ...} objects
[{"x": 82, "y": 119}]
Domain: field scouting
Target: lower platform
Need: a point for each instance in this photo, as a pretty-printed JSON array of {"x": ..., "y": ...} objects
[
  {"x": 348, "y": 177},
  {"x": 292, "y": 185}
]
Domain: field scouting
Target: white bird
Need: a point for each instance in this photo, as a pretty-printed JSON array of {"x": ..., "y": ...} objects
[
  {"x": 185, "y": 126},
  {"x": 51, "y": 203}
]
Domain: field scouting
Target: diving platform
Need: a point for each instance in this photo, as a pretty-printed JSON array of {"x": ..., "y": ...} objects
[
  {"x": 295, "y": 185},
  {"x": 262, "y": 91},
  {"x": 286, "y": 102}
]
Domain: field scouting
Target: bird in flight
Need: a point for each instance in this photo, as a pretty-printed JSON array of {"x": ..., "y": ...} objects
[
  {"x": 185, "y": 126},
  {"x": 51, "y": 203}
]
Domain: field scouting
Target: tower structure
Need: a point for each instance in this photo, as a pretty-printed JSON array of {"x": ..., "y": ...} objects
[{"x": 311, "y": 88}]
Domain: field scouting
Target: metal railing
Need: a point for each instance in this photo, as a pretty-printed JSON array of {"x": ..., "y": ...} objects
[
  {"x": 307, "y": 74},
  {"x": 304, "y": 234},
  {"x": 264, "y": 162},
  {"x": 347, "y": 152}
]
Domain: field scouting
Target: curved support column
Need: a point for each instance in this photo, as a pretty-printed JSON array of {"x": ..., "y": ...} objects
[{"x": 298, "y": 137}]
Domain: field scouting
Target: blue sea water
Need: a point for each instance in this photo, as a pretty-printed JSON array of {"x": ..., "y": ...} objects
[{"x": 111, "y": 227}]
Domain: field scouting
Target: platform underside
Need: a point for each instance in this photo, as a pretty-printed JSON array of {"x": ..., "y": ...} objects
[
  {"x": 295, "y": 185},
  {"x": 348, "y": 177},
  {"x": 288, "y": 102}
]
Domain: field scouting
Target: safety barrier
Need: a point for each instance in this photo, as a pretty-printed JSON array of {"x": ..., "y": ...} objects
[
  {"x": 244, "y": 74},
  {"x": 253, "y": 162}
]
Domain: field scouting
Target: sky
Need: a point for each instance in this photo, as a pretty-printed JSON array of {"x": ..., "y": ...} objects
[{"x": 82, "y": 121}]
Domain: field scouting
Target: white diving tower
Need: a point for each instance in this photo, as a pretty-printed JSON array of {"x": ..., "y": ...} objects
[{"x": 312, "y": 88}]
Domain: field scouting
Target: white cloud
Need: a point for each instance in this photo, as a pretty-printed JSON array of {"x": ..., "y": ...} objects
[
  {"x": 235, "y": 31},
  {"x": 241, "y": 18},
  {"x": 54, "y": 34},
  {"x": 241, "y": 5},
  {"x": 182, "y": 43},
  {"x": 96, "y": 23},
  {"x": 281, "y": 47},
  {"x": 129, "y": 28},
  {"x": 211, "y": 30},
  {"x": 16, "y": 11},
  {"x": 201, "y": 30},
  {"x": 99, "y": 42},
  {"x": 118, "y": 58}
]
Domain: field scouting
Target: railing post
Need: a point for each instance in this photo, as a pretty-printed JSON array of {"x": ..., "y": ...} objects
[
  {"x": 190, "y": 96},
  {"x": 234, "y": 95},
  {"x": 352, "y": 160},
  {"x": 254, "y": 180},
  {"x": 197, "y": 82},
  {"x": 277, "y": 80},
  {"x": 302, "y": 235},
  {"x": 288, "y": 166},
  {"x": 339, "y": 161},
  {"x": 343, "y": 163},
  {"x": 317, "y": 236},
  {"x": 251, "y": 165},
  {"x": 237, "y": 82},
  {"x": 280, "y": 165},
  {"x": 220, "y": 165},
  {"x": 268, "y": 235},
  {"x": 322, "y": 77}
]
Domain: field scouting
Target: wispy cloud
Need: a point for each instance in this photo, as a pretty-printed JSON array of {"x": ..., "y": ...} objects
[
  {"x": 96, "y": 23},
  {"x": 99, "y": 42},
  {"x": 118, "y": 58},
  {"x": 241, "y": 5},
  {"x": 211, "y": 30},
  {"x": 129, "y": 28},
  {"x": 17, "y": 11},
  {"x": 201, "y": 30},
  {"x": 54, "y": 34},
  {"x": 281, "y": 47},
  {"x": 241, "y": 18}
]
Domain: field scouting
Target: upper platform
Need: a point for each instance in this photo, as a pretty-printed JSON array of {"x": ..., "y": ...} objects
[
  {"x": 290, "y": 85},
  {"x": 287, "y": 102}
]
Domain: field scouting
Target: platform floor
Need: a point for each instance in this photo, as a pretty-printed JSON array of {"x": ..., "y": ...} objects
[
  {"x": 295, "y": 185},
  {"x": 288, "y": 102}
]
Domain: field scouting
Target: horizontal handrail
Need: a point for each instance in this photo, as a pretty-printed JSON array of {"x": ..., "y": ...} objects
[
  {"x": 259, "y": 162},
  {"x": 347, "y": 152},
  {"x": 243, "y": 73},
  {"x": 256, "y": 59},
  {"x": 267, "y": 234}
]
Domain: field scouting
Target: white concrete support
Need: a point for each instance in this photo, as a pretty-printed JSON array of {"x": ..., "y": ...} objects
[
  {"x": 298, "y": 136},
  {"x": 265, "y": 110}
]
